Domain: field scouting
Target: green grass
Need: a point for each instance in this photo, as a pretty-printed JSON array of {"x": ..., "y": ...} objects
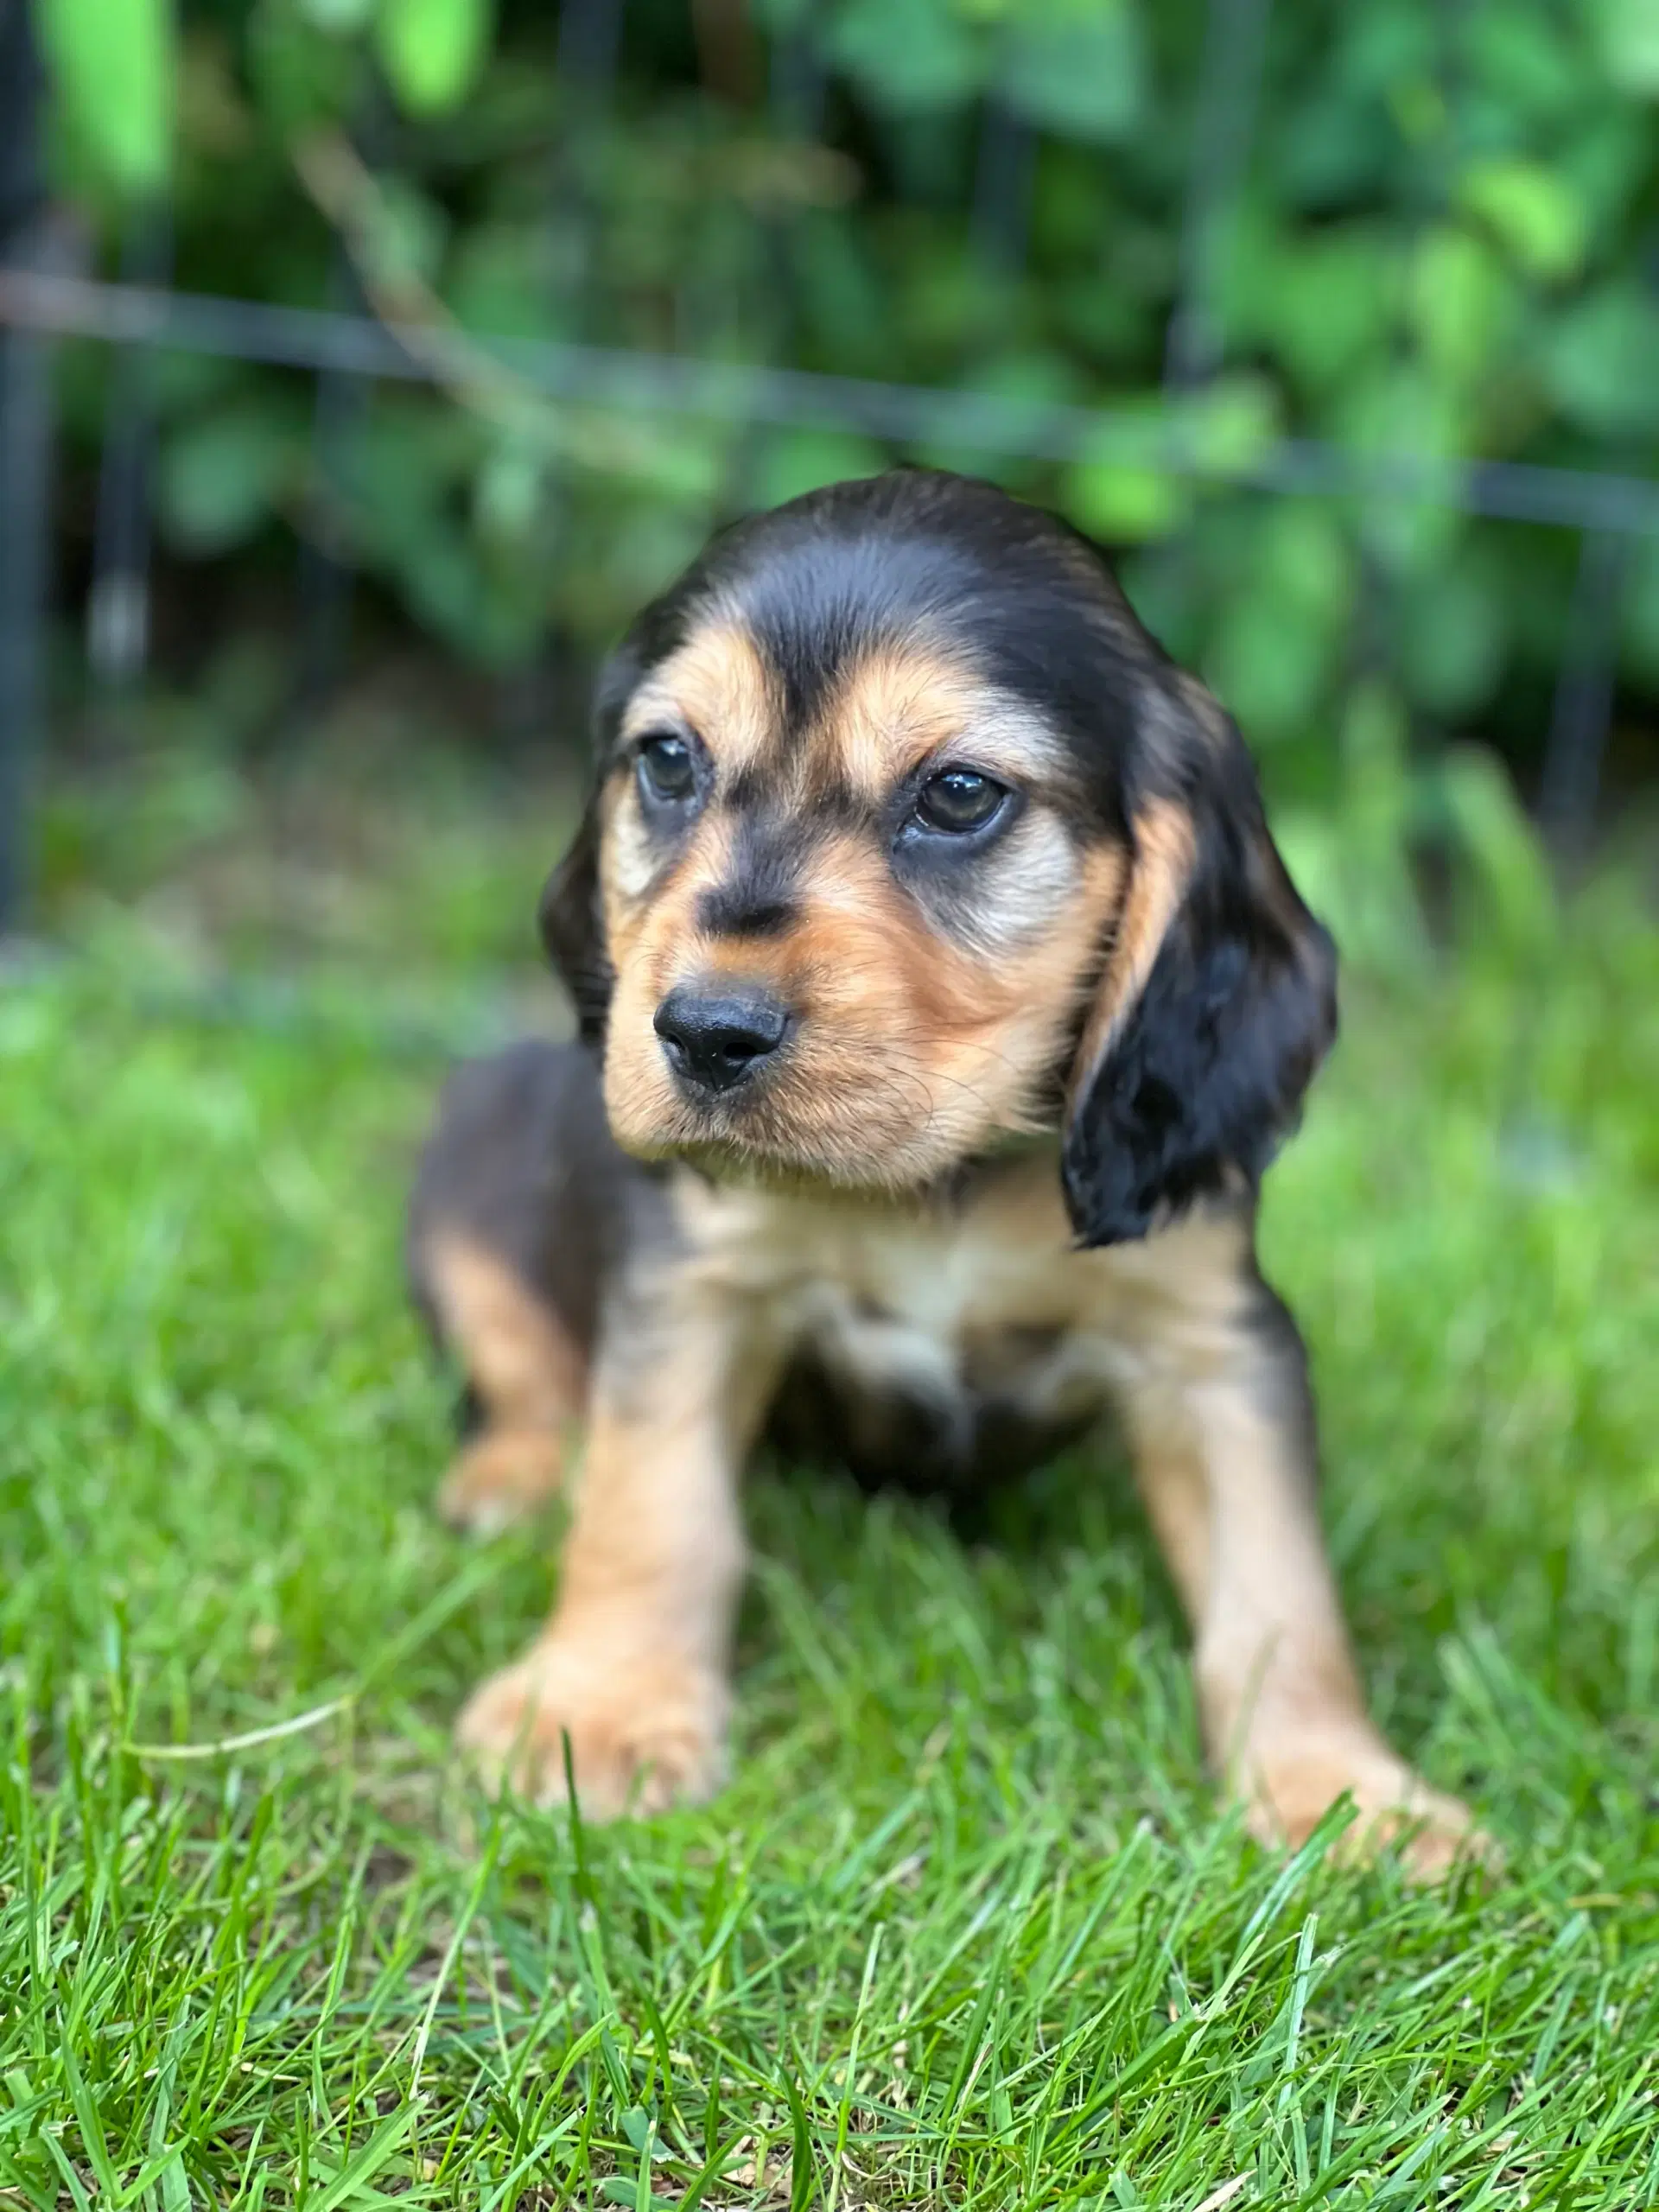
[{"x": 968, "y": 1928}]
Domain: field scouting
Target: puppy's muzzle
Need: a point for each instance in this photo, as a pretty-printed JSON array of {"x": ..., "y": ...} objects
[{"x": 716, "y": 1040}]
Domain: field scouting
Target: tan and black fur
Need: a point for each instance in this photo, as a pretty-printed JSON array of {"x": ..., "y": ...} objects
[{"x": 926, "y": 1140}]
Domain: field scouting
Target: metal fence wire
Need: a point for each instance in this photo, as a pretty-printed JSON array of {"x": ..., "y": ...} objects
[{"x": 341, "y": 346}]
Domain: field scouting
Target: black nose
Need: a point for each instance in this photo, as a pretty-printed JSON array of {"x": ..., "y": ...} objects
[{"x": 717, "y": 1038}]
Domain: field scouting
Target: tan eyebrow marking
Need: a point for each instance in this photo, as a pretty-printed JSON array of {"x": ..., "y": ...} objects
[
  {"x": 899, "y": 704},
  {"x": 718, "y": 683}
]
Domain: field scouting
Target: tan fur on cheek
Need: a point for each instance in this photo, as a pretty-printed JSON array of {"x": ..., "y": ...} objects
[
  {"x": 632, "y": 857},
  {"x": 1020, "y": 896},
  {"x": 654, "y": 944},
  {"x": 641, "y": 1104},
  {"x": 995, "y": 1043}
]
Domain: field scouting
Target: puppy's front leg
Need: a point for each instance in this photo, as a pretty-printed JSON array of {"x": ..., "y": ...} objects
[
  {"x": 633, "y": 1665},
  {"x": 1223, "y": 1426}
]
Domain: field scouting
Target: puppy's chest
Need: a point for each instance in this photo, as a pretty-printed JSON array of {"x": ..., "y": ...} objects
[{"x": 938, "y": 1351}]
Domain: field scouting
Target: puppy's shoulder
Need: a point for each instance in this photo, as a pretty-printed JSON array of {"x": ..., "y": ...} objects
[{"x": 521, "y": 1163}]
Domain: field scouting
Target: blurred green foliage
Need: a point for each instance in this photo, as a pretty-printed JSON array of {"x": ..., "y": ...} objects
[{"x": 1440, "y": 245}]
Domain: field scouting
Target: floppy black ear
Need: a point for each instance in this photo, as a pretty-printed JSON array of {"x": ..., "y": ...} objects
[
  {"x": 573, "y": 928},
  {"x": 572, "y": 914},
  {"x": 1219, "y": 999}
]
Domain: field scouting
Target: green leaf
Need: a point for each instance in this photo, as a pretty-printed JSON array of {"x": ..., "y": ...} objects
[
  {"x": 1127, "y": 487},
  {"x": 800, "y": 461},
  {"x": 1232, "y": 423},
  {"x": 1532, "y": 212},
  {"x": 637, "y": 2126},
  {"x": 175, "y": 2188},
  {"x": 1303, "y": 553},
  {"x": 1453, "y": 632},
  {"x": 1627, "y": 40},
  {"x": 1123, "y": 487},
  {"x": 220, "y": 479},
  {"x": 1532, "y": 64},
  {"x": 1283, "y": 625},
  {"x": 908, "y": 55},
  {"x": 1269, "y": 675},
  {"x": 1458, "y": 301},
  {"x": 1325, "y": 301},
  {"x": 432, "y": 50},
  {"x": 112, "y": 66},
  {"x": 497, "y": 281},
  {"x": 1398, "y": 415},
  {"x": 351, "y": 2183},
  {"x": 1598, "y": 361},
  {"x": 304, "y": 77},
  {"x": 625, "y": 2190},
  {"x": 1123, "y": 500},
  {"x": 1079, "y": 71},
  {"x": 1127, "y": 505}
]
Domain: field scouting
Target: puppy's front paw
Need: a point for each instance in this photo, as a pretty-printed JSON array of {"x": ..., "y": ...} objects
[
  {"x": 501, "y": 1477},
  {"x": 1292, "y": 1790},
  {"x": 646, "y": 1731}
]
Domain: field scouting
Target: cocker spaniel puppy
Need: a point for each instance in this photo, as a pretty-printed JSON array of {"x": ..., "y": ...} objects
[{"x": 943, "y": 998}]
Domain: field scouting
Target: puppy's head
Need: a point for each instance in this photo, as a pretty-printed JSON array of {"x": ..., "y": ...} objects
[{"x": 907, "y": 838}]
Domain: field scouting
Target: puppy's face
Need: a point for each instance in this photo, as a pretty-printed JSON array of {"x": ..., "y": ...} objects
[
  {"x": 849, "y": 941},
  {"x": 897, "y": 810}
]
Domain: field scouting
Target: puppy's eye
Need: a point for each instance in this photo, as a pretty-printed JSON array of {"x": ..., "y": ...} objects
[
  {"x": 957, "y": 800},
  {"x": 667, "y": 771}
]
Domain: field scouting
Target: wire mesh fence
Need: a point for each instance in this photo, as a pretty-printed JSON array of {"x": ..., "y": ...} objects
[{"x": 346, "y": 345}]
